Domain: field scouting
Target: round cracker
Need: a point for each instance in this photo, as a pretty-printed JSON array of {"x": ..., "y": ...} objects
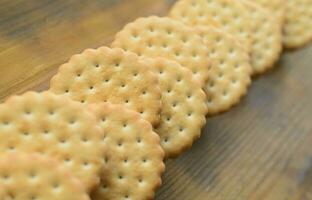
[
  {"x": 277, "y": 7},
  {"x": 33, "y": 176},
  {"x": 56, "y": 126},
  {"x": 229, "y": 15},
  {"x": 183, "y": 107},
  {"x": 298, "y": 23},
  {"x": 161, "y": 36},
  {"x": 133, "y": 162},
  {"x": 110, "y": 75},
  {"x": 230, "y": 78},
  {"x": 266, "y": 38}
]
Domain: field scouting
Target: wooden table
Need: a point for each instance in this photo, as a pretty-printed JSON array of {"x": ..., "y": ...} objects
[{"x": 259, "y": 150}]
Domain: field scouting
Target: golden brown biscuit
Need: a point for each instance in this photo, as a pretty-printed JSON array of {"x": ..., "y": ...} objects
[
  {"x": 56, "y": 126},
  {"x": 110, "y": 75},
  {"x": 229, "y": 15},
  {"x": 133, "y": 162},
  {"x": 266, "y": 38},
  {"x": 277, "y": 7},
  {"x": 230, "y": 78},
  {"x": 164, "y": 37},
  {"x": 298, "y": 23},
  {"x": 183, "y": 106},
  {"x": 33, "y": 176}
]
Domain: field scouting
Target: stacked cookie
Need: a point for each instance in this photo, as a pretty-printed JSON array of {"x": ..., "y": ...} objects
[{"x": 113, "y": 114}]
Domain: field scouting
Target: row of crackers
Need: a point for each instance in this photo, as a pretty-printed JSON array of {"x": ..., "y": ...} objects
[{"x": 113, "y": 114}]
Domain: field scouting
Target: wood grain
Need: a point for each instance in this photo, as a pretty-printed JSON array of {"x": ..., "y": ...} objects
[
  {"x": 37, "y": 36},
  {"x": 260, "y": 150}
]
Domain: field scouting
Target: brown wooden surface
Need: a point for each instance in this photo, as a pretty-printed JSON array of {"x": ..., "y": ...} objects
[{"x": 260, "y": 150}]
